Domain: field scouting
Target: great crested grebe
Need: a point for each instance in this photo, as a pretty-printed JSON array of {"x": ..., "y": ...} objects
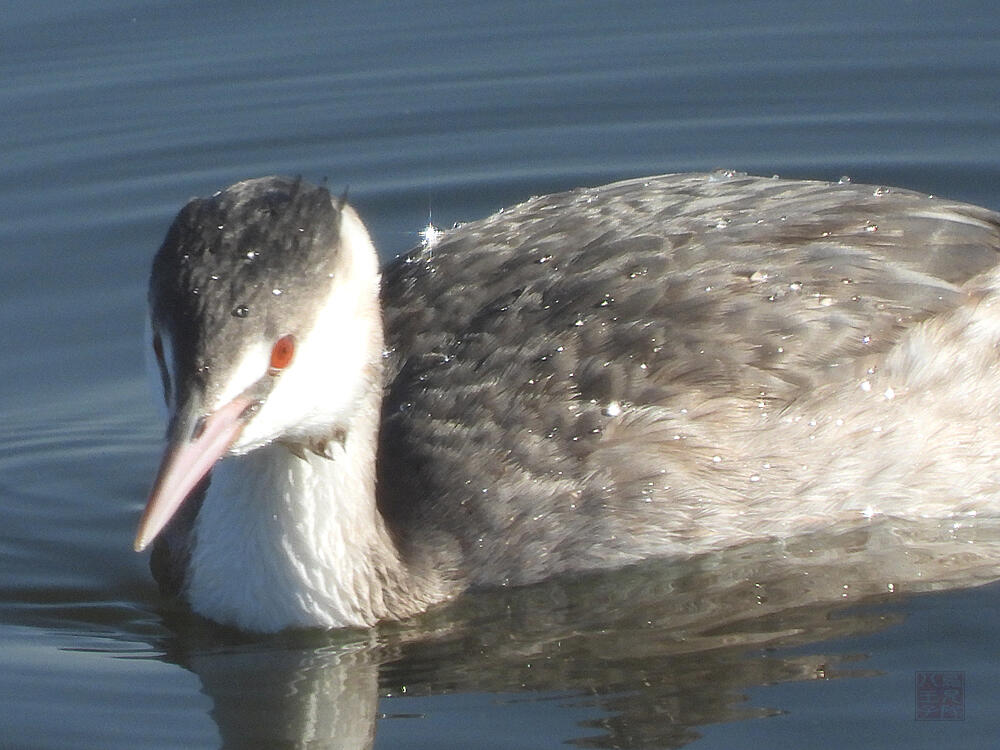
[{"x": 657, "y": 367}]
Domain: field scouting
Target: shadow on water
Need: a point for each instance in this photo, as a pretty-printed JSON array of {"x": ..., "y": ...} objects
[
  {"x": 644, "y": 656},
  {"x": 648, "y": 656}
]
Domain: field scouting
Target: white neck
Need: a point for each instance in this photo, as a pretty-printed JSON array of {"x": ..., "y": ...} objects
[
  {"x": 286, "y": 537},
  {"x": 299, "y": 542}
]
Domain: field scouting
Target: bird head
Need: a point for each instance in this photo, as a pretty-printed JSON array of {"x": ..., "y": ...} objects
[{"x": 264, "y": 326}]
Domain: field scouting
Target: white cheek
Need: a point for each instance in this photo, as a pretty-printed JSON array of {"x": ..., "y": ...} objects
[
  {"x": 252, "y": 366},
  {"x": 319, "y": 391},
  {"x": 323, "y": 386},
  {"x": 332, "y": 367}
]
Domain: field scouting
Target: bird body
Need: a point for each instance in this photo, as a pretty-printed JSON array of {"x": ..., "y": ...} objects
[{"x": 657, "y": 367}]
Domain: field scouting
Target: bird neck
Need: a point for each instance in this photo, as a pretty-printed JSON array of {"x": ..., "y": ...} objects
[{"x": 290, "y": 538}]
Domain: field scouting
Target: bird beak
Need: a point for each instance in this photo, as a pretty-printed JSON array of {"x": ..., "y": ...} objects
[{"x": 193, "y": 448}]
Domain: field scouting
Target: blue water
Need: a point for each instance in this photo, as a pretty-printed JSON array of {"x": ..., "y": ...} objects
[{"x": 113, "y": 114}]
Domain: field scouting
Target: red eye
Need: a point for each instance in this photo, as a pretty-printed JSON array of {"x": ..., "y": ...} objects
[{"x": 282, "y": 353}]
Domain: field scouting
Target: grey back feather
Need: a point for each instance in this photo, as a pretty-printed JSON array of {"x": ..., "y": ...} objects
[{"x": 543, "y": 362}]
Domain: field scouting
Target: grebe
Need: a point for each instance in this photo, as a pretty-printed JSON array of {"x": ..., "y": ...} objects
[{"x": 657, "y": 367}]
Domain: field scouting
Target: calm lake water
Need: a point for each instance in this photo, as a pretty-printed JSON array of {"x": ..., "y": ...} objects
[{"x": 115, "y": 113}]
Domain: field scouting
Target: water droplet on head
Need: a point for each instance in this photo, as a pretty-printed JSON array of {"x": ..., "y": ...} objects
[
  {"x": 720, "y": 175},
  {"x": 241, "y": 311}
]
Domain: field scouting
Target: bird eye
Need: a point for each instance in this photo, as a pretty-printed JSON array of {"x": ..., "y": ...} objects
[{"x": 281, "y": 354}]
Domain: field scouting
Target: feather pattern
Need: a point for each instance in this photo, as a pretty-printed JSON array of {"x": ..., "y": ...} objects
[{"x": 655, "y": 367}]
